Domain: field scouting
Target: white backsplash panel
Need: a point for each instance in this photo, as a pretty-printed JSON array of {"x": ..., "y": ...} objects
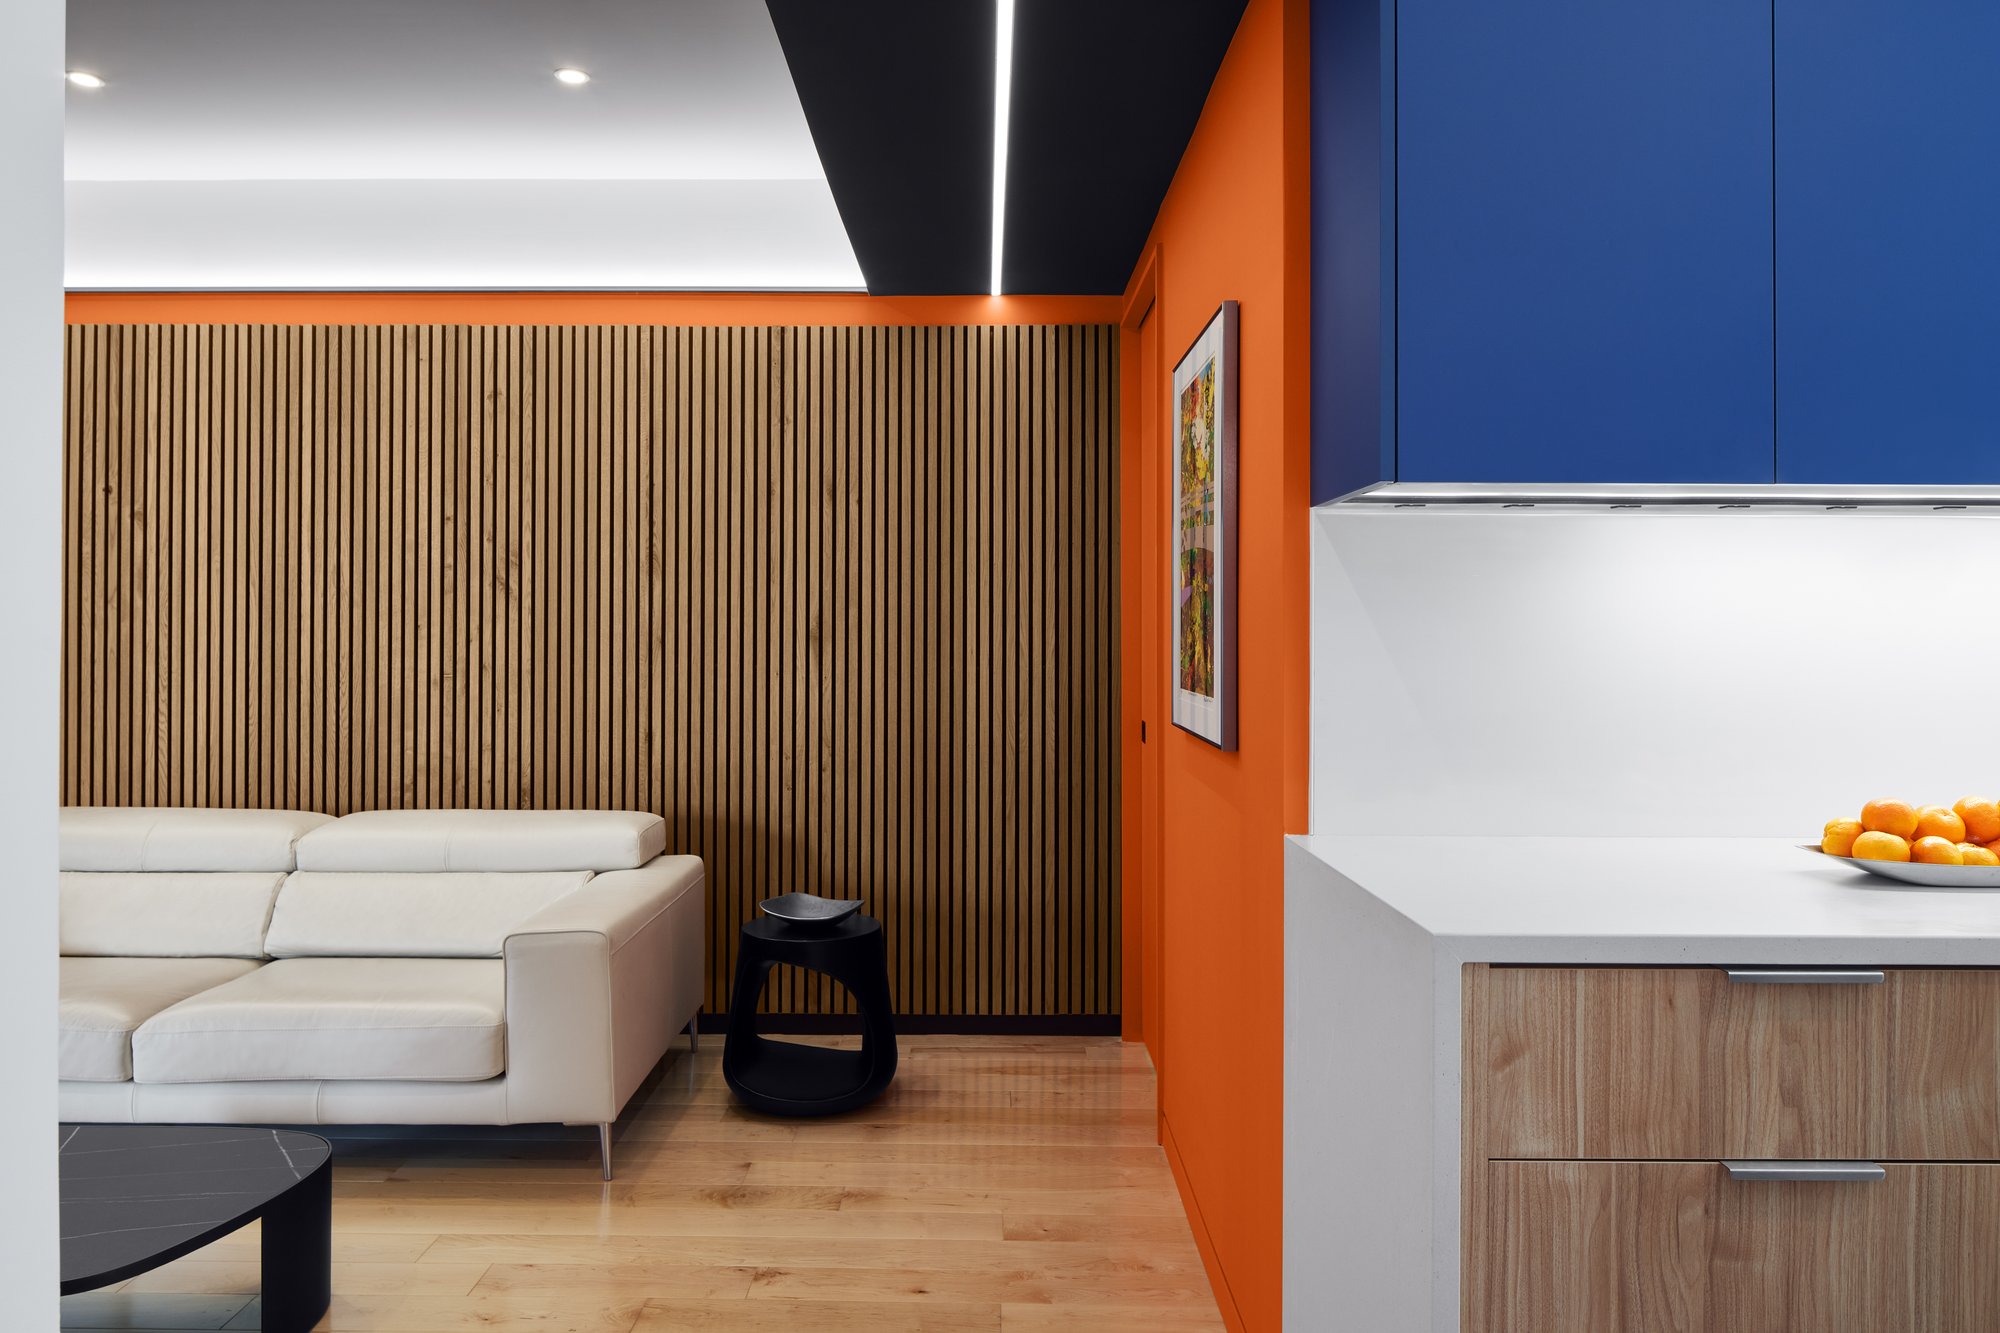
[{"x": 1481, "y": 671}]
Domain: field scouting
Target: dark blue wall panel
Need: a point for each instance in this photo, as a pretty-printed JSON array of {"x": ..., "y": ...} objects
[
  {"x": 1888, "y": 157},
  {"x": 1354, "y": 245},
  {"x": 1584, "y": 242}
]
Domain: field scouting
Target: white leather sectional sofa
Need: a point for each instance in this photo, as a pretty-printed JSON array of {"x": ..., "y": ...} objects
[{"x": 389, "y": 967}]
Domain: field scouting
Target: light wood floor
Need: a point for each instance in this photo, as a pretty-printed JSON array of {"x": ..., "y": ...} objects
[{"x": 1002, "y": 1183}]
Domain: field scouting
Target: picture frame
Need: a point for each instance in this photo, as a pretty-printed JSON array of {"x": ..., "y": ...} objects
[{"x": 1202, "y": 461}]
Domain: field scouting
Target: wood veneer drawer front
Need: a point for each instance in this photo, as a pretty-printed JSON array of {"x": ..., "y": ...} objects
[
  {"x": 1684, "y": 1062},
  {"x": 1653, "y": 1247}
]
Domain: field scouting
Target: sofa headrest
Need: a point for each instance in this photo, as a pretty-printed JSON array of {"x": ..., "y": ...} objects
[
  {"x": 421, "y": 915},
  {"x": 484, "y": 840},
  {"x": 166, "y": 914},
  {"x": 123, "y": 838}
]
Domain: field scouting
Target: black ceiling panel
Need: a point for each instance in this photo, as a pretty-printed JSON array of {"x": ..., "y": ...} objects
[
  {"x": 899, "y": 95},
  {"x": 1106, "y": 95}
]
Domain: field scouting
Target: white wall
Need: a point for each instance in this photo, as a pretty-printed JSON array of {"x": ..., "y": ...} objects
[
  {"x": 1492, "y": 672},
  {"x": 31, "y": 108}
]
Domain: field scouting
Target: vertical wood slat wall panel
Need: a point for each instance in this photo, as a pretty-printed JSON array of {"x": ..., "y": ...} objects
[{"x": 838, "y": 603}]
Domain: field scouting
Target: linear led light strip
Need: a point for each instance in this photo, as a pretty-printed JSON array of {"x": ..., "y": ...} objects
[
  {"x": 1003, "y": 81},
  {"x": 1686, "y": 497}
]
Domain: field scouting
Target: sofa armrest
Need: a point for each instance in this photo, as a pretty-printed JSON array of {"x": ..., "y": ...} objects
[{"x": 598, "y": 984}]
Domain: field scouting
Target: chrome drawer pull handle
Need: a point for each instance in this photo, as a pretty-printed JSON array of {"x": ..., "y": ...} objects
[
  {"x": 1806, "y": 976},
  {"x": 1810, "y": 1171}
]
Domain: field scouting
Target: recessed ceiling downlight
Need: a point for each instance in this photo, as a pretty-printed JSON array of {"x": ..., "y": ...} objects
[
  {"x": 575, "y": 78},
  {"x": 84, "y": 79}
]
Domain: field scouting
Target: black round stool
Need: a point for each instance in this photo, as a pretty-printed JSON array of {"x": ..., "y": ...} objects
[{"x": 786, "y": 1077}]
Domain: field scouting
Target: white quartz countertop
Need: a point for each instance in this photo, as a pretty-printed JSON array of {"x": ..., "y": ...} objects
[{"x": 1735, "y": 901}]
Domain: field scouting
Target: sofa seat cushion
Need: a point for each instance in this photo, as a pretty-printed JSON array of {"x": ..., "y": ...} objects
[
  {"x": 335, "y": 1018},
  {"x": 484, "y": 840},
  {"x": 104, "y": 999},
  {"x": 141, "y": 838}
]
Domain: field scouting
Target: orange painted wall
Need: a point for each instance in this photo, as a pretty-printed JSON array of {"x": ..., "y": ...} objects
[
  {"x": 580, "y": 308},
  {"x": 1235, "y": 225}
]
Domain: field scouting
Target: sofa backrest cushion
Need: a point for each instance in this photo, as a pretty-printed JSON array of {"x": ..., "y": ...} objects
[
  {"x": 123, "y": 838},
  {"x": 166, "y": 914},
  {"x": 485, "y": 840},
  {"x": 467, "y": 915}
]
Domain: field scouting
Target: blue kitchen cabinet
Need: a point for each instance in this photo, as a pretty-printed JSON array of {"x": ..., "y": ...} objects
[
  {"x": 1888, "y": 240},
  {"x": 1354, "y": 245},
  {"x": 1583, "y": 241}
]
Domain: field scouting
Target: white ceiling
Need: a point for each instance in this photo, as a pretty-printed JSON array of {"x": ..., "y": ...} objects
[{"x": 425, "y": 143}]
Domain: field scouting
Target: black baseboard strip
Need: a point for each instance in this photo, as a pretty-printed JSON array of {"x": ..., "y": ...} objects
[{"x": 928, "y": 1025}]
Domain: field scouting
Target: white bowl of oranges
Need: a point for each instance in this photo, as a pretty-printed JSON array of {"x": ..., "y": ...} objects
[{"x": 1943, "y": 846}]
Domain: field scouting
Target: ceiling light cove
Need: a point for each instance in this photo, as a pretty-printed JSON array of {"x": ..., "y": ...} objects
[
  {"x": 1003, "y": 88},
  {"x": 288, "y": 145},
  {"x": 84, "y": 79}
]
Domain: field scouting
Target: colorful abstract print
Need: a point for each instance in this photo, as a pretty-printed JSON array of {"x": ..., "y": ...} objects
[{"x": 1196, "y": 545}]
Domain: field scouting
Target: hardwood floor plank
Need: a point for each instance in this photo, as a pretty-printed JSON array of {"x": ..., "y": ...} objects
[
  {"x": 441, "y": 1215},
  {"x": 816, "y": 1316},
  {"x": 1156, "y": 1201},
  {"x": 662, "y": 1167},
  {"x": 619, "y": 1281},
  {"x": 205, "y": 1276},
  {"x": 624, "y": 1253},
  {"x": 1161, "y": 1228},
  {"x": 1133, "y": 1129},
  {"x": 882, "y": 1174},
  {"x": 541, "y": 1312},
  {"x": 643, "y": 1227},
  {"x": 643, "y": 1178},
  {"x": 1049, "y": 1157},
  {"x": 938, "y": 1284},
  {"x": 1106, "y": 1319}
]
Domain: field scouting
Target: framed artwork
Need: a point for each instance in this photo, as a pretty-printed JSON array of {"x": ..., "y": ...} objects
[{"x": 1204, "y": 533}]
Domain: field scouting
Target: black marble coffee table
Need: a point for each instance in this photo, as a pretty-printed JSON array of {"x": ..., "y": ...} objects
[{"x": 138, "y": 1196}]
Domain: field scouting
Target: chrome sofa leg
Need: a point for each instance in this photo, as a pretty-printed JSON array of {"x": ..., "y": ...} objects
[
  {"x": 604, "y": 1147},
  {"x": 694, "y": 1035}
]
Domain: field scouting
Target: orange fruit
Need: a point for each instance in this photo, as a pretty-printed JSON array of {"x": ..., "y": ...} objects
[
  {"x": 1935, "y": 821},
  {"x": 1838, "y": 840},
  {"x": 1875, "y": 845},
  {"x": 1936, "y": 851},
  {"x": 1975, "y": 855},
  {"x": 1982, "y": 817},
  {"x": 1894, "y": 817}
]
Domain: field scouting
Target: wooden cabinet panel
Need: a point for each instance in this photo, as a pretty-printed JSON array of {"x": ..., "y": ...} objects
[
  {"x": 1683, "y": 1063},
  {"x": 1654, "y": 1247},
  {"x": 1950, "y": 1241},
  {"x": 1520, "y": 1026},
  {"x": 1944, "y": 1065},
  {"x": 1562, "y": 1245}
]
